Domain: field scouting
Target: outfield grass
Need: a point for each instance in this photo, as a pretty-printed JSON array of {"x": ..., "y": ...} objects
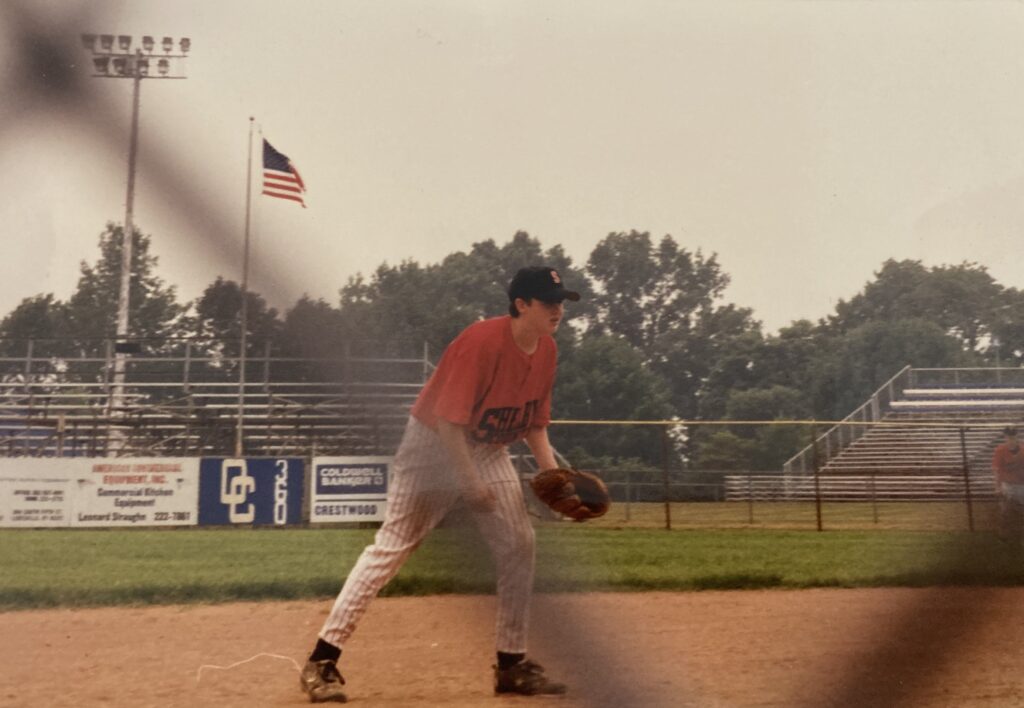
[
  {"x": 849, "y": 516},
  {"x": 53, "y": 568}
]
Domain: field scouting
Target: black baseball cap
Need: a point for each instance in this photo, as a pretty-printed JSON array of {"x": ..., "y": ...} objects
[
  {"x": 539, "y": 283},
  {"x": 1009, "y": 430}
]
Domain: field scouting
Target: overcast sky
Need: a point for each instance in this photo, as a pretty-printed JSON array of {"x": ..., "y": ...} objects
[{"x": 804, "y": 143}]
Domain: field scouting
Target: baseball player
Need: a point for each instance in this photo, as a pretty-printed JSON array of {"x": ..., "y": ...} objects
[
  {"x": 1008, "y": 466},
  {"x": 491, "y": 388}
]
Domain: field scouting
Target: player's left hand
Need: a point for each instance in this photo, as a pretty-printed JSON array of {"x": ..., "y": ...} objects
[{"x": 573, "y": 493}]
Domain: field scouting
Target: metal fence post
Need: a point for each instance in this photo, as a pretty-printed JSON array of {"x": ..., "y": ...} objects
[
  {"x": 668, "y": 489},
  {"x": 61, "y": 421},
  {"x": 266, "y": 365},
  {"x": 629, "y": 492},
  {"x": 107, "y": 365},
  {"x": 28, "y": 360},
  {"x": 270, "y": 414},
  {"x": 817, "y": 481},
  {"x": 187, "y": 365},
  {"x": 874, "y": 498},
  {"x": 967, "y": 479},
  {"x": 750, "y": 499},
  {"x": 189, "y": 417}
]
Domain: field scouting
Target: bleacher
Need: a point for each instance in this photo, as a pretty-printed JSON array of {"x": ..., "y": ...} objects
[
  {"x": 935, "y": 429},
  {"x": 166, "y": 408},
  {"x": 915, "y": 438},
  {"x": 920, "y": 442}
]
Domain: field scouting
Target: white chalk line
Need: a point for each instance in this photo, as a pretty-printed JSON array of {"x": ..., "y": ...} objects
[{"x": 199, "y": 671}]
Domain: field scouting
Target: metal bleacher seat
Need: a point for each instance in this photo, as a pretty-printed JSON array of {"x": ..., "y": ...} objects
[
  {"x": 934, "y": 429},
  {"x": 172, "y": 411},
  {"x": 930, "y": 425}
]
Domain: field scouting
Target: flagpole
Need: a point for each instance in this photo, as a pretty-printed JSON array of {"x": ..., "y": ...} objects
[{"x": 240, "y": 428}]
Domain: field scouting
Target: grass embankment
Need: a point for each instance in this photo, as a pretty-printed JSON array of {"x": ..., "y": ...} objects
[{"x": 51, "y": 568}]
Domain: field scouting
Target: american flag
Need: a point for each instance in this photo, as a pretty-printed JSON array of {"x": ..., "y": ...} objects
[{"x": 280, "y": 178}]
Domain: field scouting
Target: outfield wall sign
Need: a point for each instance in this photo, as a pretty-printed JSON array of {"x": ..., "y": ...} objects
[
  {"x": 137, "y": 492},
  {"x": 347, "y": 489},
  {"x": 55, "y": 492},
  {"x": 254, "y": 490},
  {"x": 35, "y": 493}
]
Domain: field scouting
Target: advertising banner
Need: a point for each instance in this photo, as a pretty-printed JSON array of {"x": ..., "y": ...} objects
[
  {"x": 254, "y": 490},
  {"x": 47, "y": 492},
  {"x": 35, "y": 493},
  {"x": 138, "y": 491},
  {"x": 349, "y": 489}
]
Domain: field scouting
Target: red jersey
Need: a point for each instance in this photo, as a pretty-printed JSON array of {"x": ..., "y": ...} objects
[
  {"x": 485, "y": 382},
  {"x": 1009, "y": 464}
]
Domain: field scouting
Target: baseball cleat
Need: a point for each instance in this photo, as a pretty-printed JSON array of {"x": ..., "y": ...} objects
[
  {"x": 525, "y": 678},
  {"x": 322, "y": 682}
]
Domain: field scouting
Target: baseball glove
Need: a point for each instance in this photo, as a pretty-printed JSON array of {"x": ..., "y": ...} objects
[{"x": 578, "y": 495}]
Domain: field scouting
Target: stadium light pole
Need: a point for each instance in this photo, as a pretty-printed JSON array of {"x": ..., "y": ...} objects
[{"x": 114, "y": 58}]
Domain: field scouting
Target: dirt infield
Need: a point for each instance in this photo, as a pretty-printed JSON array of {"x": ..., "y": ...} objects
[{"x": 943, "y": 647}]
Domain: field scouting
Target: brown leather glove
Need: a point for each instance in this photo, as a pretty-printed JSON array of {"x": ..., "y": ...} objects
[{"x": 573, "y": 493}]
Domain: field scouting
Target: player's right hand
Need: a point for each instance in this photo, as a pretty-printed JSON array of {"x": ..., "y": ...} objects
[{"x": 480, "y": 497}]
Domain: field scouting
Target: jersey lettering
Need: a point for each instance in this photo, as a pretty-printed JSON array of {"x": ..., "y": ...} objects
[{"x": 505, "y": 425}]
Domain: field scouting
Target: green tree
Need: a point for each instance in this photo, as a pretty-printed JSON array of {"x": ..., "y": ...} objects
[
  {"x": 774, "y": 443},
  {"x": 784, "y": 359},
  {"x": 35, "y": 327},
  {"x": 725, "y": 450},
  {"x": 667, "y": 302},
  {"x": 961, "y": 299},
  {"x": 40, "y": 318},
  {"x": 778, "y": 443},
  {"x": 90, "y": 315},
  {"x": 1006, "y": 346},
  {"x": 645, "y": 291},
  {"x": 855, "y": 365},
  {"x": 409, "y": 300},
  {"x": 605, "y": 378},
  {"x": 770, "y": 403},
  {"x": 432, "y": 303},
  {"x": 312, "y": 330},
  {"x": 216, "y": 323},
  {"x": 754, "y": 447}
]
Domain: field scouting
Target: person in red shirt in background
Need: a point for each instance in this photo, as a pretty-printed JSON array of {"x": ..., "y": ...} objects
[
  {"x": 1008, "y": 466},
  {"x": 491, "y": 388}
]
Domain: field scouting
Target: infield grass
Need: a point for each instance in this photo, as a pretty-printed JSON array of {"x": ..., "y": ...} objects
[{"x": 68, "y": 568}]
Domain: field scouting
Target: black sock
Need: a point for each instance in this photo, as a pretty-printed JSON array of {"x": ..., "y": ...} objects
[
  {"x": 323, "y": 650},
  {"x": 506, "y": 660}
]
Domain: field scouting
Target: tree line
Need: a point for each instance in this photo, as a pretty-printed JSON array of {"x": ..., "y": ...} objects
[{"x": 652, "y": 338}]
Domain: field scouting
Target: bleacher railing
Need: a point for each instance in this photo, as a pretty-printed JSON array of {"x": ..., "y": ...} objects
[
  {"x": 980, "y": 377},
  {"x": 840, "y": 436},
  {"x": 57, "y": 397},
  {"x": 180, "y": 362}
]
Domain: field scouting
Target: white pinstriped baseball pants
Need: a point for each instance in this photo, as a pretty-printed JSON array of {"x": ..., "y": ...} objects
[{"x": 423, "y": 489}]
